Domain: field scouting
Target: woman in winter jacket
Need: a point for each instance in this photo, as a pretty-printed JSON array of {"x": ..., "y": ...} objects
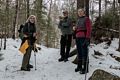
[
  {"x": 29, "y": 31},
  {"x": 83, "y": 32}
]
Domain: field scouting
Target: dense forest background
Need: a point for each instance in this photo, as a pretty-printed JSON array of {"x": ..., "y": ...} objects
[{"x": 104, "y": 15}]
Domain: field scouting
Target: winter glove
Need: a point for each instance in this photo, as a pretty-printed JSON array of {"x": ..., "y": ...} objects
[
  {"x": 35, "y": 50},
  {"x": 39, "y": 48},
  {"x": 19, "y": 31},
  {"x": 86, "y": 42}
]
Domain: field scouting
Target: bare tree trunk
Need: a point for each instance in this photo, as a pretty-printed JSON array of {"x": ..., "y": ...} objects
[
  {"x": 0, "y": 42},
  {"x": 87, "y": 7},
  {"x": 1, "y": 29},
  {"x": 80, "y": 4},
  {"x": 119, "y": 25},
  {"x": 114, "y": 7},
  {"x": 48, "y": 24},
  {"x": 1, "y": 39},
  {"x": 6, "y": 22},
  {"x": 28, "y": 8},
  {"x": 105, "y": 6},
  {"x": 99, "y": 12},
  {"x": 92, "y": 12},
  {"x": 39, "y": 4},
  {"x": 15, "y": 19},
  {"x": 113, "y": 13}
]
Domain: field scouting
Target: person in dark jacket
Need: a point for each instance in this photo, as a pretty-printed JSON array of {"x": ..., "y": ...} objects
[
  {"x": 83, "y": 33},
  {"x": 29, "y": 31},
  {"x": 66, "y": 37}
]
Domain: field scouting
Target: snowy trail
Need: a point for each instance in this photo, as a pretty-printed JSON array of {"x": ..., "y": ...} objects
[{"x": 48, "y": 67}]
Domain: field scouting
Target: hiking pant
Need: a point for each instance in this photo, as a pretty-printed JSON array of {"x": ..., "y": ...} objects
[
  {"x": 26, "y": 57},
  {"x": 82, "y": 52},
  {"x": 65, "y": 45}
]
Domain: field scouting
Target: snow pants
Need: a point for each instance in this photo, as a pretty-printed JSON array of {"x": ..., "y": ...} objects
[
  {"x": 26, "y": 57},
  {"x": 83, "y": 59},
  {"x": 65, "y": 45}
]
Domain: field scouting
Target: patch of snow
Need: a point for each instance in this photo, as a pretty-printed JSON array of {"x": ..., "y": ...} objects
[{"x": 48, "y": 67}]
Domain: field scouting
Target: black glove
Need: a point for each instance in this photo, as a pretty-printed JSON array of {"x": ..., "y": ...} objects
[
  {"x": 35, "y": 50},
  {"x": 39, "y": 48},
  {"x": 19, "y": 31},
  {"x": 86, "y": 42}
]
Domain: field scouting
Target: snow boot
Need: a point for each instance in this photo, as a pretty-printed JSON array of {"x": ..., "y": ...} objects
[
  {"x": 30, "y": 66},
  {"x": 65, "y": 60},
  {"x": 61, "y": 59},
  {"x": 85, "y": 68},
  {"x": 25, "y": 69},
  {"x": 79, "y": 66}
]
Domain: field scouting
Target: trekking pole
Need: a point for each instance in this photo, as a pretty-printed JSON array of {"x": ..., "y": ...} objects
[
  {"x": 35, "y": 60},
  {"x": 86, "y": 67},
  {"x": 35, "y": 56}
]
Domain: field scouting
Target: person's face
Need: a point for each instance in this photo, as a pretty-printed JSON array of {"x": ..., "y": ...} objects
[
  {"x": 32, "y": 20},
  {"x": 65, "y": 14},
  {"x": 81, "y": 13}
]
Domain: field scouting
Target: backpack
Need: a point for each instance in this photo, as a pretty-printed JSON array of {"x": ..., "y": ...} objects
[{"x": 21, "y": 31}]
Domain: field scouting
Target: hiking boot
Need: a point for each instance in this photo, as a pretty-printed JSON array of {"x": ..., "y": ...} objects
[
  {"x": 25, "y": 69},
  {"x": 61, "y": 59},
  {"x": 83, "y": 72},
  {"x": 30, "y": 66},
  {"x": 79, "y": 66},
  {"x": 77, "y": 69},
  {"x": 85, "y": 68},
  {"x": 65, "y": 60}
]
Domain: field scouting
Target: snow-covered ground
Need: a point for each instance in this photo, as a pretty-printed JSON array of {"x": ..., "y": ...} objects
[{"x": 48, "y": 67}]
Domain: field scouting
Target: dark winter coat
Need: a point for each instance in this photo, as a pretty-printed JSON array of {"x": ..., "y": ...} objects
[
  {"x": 65, "y": 26},
  {"x": 29, "y": 29}
]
